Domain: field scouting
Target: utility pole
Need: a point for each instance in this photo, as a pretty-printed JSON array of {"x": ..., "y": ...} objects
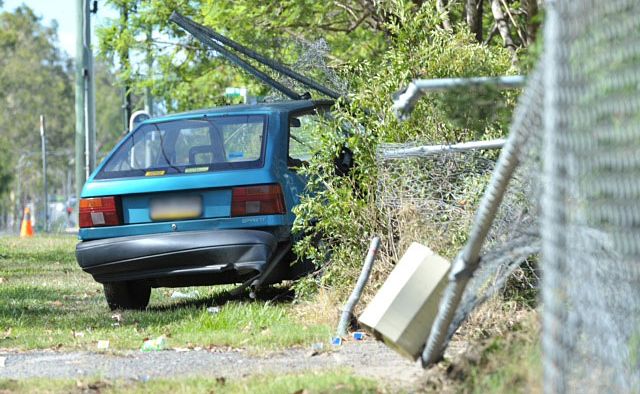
[
  {"x": 85, "y": 96},
  {"x": 148, "y": 98},
  {"x": 80, "y": 98},
  {"x": 89, "y": 86},
  {"x": 124, "y": 61},
  {"x": 45, "y": 209}
]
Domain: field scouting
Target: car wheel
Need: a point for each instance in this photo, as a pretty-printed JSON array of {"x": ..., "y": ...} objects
[{"x": 127, "y": 295}]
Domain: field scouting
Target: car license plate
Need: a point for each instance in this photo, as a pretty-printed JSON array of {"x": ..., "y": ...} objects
[{"x": 176, "y": 207}]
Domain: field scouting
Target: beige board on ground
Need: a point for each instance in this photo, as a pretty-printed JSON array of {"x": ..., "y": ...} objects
[{"x": 402, "y": 312}]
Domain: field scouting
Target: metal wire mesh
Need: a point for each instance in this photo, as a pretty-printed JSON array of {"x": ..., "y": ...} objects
[
  {"x": 591, "y": 212},
  {"x": 444, "y": 191}
]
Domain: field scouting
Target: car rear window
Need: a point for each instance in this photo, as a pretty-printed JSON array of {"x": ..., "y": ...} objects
[{"x": 189, "y": 146}]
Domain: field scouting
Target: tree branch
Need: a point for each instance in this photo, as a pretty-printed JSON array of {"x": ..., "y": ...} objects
[
  {"x": 474, "y": 9},
  {"x": 443, "y": 12},
  {"x": 492, "y": 33},
  {"x": 503, "y": 29},
  {"x": 531, "y": 10},
  {"x": 513, "y": 21},
  {"x": 347, "y": 9}
]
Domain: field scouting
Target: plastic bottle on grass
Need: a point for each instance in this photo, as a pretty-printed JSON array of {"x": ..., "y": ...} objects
[{"x": 153, "y": 345}]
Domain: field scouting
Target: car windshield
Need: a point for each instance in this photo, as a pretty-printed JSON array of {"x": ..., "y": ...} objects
[{"x": 190, "y": 146}]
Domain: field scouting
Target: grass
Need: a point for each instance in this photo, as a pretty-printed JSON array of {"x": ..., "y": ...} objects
[
  {"x": 49, "y": 302},
  {"x": 325, "y": 382},
  {"x": 504, "y": 356},
  {"x": 511, "y": 364}
]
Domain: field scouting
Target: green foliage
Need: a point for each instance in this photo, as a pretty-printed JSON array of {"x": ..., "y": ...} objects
[
  {"x": 35, "y": 79},
  {"x": 6, "y": 172},
  {"x": 186, "y": 75},
  {"x": 109, "y": 122},
  {"x": 342, "y": 210}
]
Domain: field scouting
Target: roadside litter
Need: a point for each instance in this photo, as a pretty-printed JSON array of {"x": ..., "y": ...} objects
[
  {"x": 358, "y": 336},
  {"x": 152, "y": 345},
  {"x": 178, "y": 295},
  {"x": 103, "y": 344},
  {"x": 316, "y": 349},
  {"x": 117, "y": 317},
  {"x": 213, "y": 309}
]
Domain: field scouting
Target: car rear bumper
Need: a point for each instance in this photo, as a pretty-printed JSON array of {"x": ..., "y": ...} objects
[{"x": 198, "y": 257}]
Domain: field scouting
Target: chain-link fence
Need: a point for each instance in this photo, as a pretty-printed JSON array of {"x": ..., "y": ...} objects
[
  {"x": 575, "y": 141},
  {"x": 591, "y": 212}
]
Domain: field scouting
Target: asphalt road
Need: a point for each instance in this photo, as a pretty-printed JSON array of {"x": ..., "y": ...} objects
[{"x": 365, "y": 358}]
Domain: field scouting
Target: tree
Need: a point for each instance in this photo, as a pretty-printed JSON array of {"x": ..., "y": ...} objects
[
  {"x": 192, "y": 75},
  {"x": 474, "y": 10},
  {"x": 109, "y": 120},
  {"x": 186, "y": 75},
  {"x": 35, "y": 79}
]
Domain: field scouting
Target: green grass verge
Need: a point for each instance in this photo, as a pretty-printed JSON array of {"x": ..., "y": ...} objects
[
  {"x": 49, "y": 302},
  {"x": 508, "y": 364},
  {"x": 325, "y": 382}
]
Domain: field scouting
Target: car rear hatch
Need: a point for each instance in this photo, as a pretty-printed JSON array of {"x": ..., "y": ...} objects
[{"x": 182, "y": 170}]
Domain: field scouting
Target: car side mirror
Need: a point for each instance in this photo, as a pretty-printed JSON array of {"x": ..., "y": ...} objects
[
  {"x": 295, "y": 122},
  {"x": 344, "y": 162}
]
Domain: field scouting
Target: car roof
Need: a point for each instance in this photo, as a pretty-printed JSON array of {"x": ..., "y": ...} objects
[{"x": 278, "y": 106}]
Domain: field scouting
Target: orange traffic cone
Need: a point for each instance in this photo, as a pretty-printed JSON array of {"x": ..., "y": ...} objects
[{"x": 25, "y": 228}]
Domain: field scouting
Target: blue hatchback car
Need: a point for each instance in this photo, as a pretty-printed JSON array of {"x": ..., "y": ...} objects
[{"x": 198, "y": 198}]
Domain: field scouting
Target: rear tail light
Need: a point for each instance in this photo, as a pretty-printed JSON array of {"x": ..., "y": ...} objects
[
  {"x": 257, "y": 200},
  {"x": 101, "y": 211}
]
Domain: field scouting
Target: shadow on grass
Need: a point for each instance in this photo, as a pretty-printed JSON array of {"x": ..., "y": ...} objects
[
  {"x": 273, "y": 295},
  {"x": 40, "y": 307}
]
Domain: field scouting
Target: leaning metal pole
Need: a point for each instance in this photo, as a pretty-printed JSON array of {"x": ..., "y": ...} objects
[
  {"x": 197, "y": 31},
  {"x": 282, "y": 69},
  {"x": 553, "y": 214},
  {"x": 354, "y": 298},
  {"x": 467, "y": 260}
]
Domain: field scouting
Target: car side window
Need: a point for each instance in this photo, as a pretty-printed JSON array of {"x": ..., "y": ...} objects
[{"x": 304, "y": 136}]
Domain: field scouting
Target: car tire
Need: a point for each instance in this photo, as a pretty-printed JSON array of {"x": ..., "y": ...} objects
[{"x": 127, "y": 295}]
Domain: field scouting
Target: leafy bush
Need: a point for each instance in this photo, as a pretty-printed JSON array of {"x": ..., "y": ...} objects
[{"x": 337, "y": 219}]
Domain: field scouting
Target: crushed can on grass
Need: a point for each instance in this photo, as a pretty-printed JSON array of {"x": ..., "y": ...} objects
[
  {"x": 103, "y": 344},
  {"x": 153, "y": 345}
]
